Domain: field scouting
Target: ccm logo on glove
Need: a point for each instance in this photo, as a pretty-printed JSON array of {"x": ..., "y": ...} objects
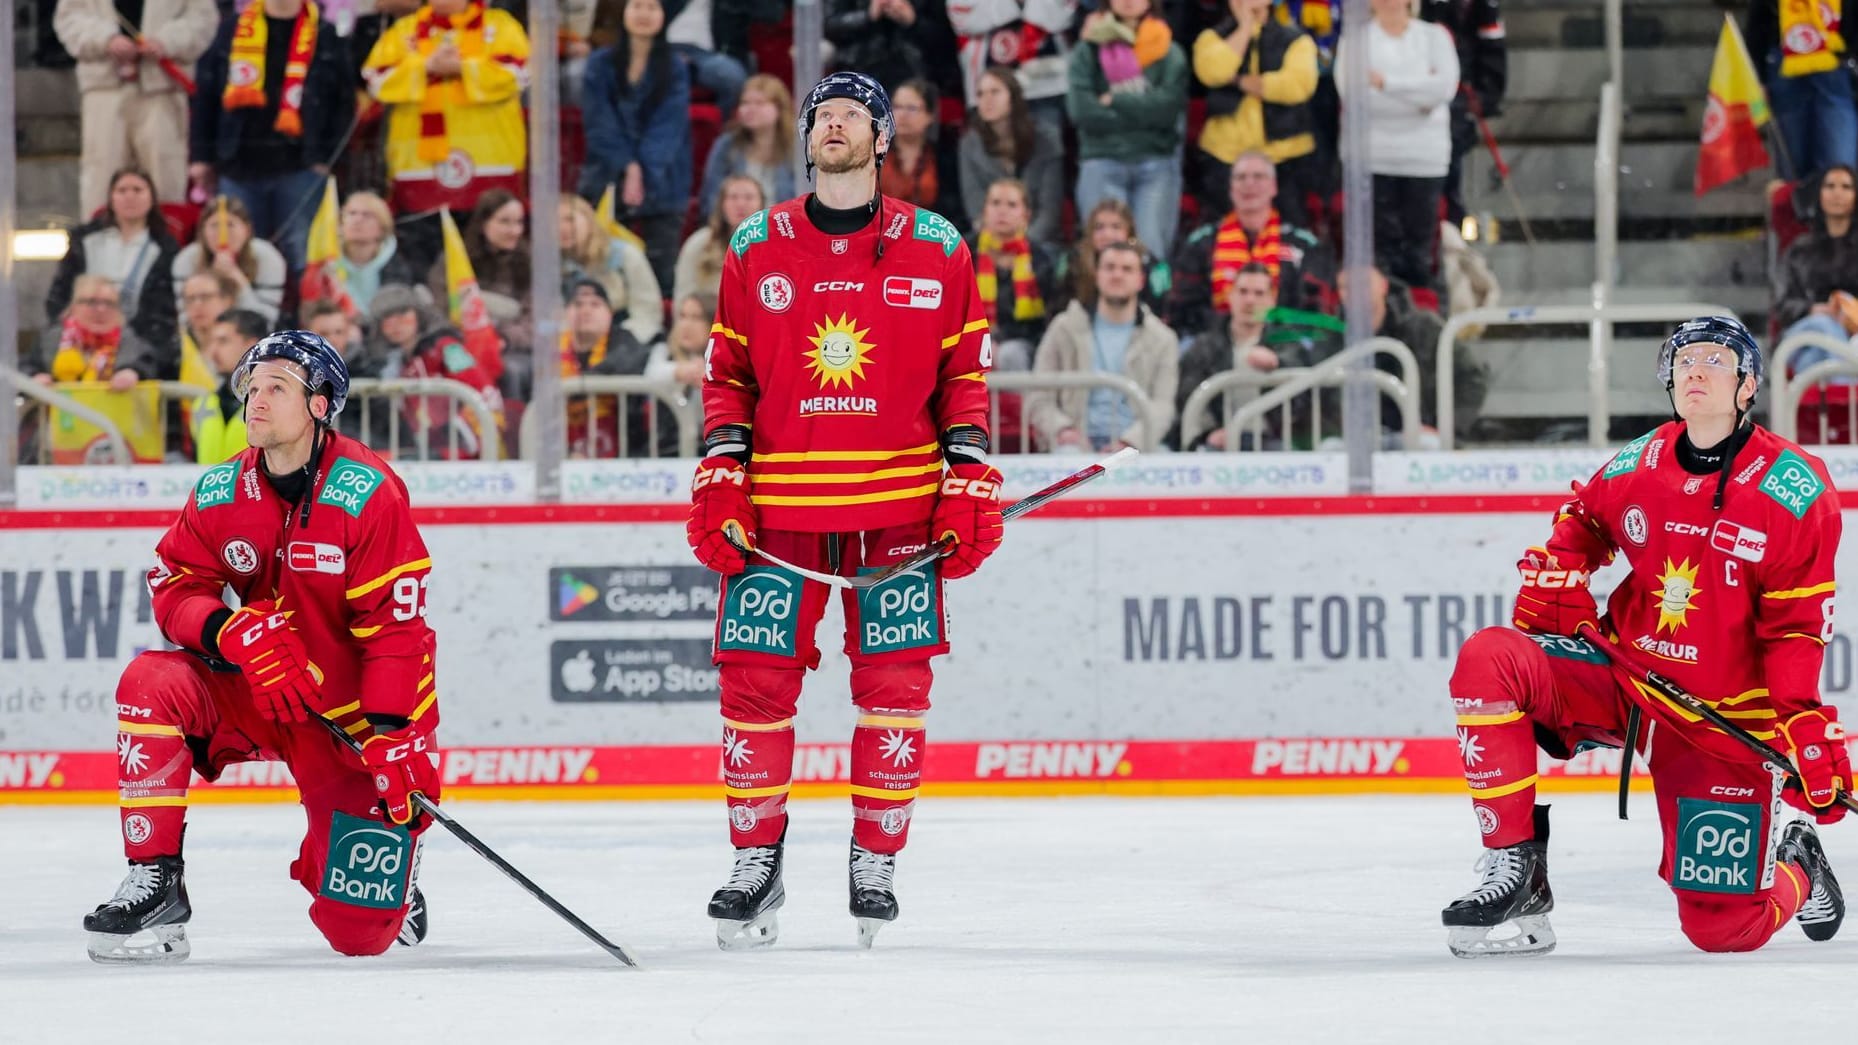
[
  {"x": 719, "y": 474},
  {"x": 1559, "y": 579},
  {"x": 980, "y": 489}
]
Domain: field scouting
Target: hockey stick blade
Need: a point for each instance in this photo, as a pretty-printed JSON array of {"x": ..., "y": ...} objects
[
  {"x": 1030, "y": 502},
  {"x": 476, "y": 845},
  {"x": 1696, "y": 706}
]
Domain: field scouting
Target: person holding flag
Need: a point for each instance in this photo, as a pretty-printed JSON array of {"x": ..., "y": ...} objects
[
  {"x": 1802, "y": 49},
  {"x": 353, "y": 253},
  {"x": 1733, "y": 118}
]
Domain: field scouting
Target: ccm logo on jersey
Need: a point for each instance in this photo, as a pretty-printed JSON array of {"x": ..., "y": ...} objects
[
  {"x": 837, "y": 284},
  {"x": 311, "y": 557},
  {"x": 1739, "y": 541},
  {"x": 912, "y": 292},
  {"x": 1683, "y": 529}
]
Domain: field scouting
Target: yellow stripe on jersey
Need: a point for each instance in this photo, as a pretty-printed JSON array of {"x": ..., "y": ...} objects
[
  {"x": 846, "y": 455},
  {"x": 424, "y": 705},
  {"x": 975, "y": 376},
  {"x": 345, "y": 709},
  {"x": 1801, "y": 593},
  {"x": 362, "y": 633},
  {"x": 1506, "y": 789},
  {"x": 934, "y": 468},
  {"x": 798, "y": 501},
  {"x": 145, "y": 803},
  {"x": 880, "y": 793},
  {"x": 1489, "y": 720},
  {"x": 730, "y": 334},
  {"x": 954, "y": 339},
  {"x": 389, "y": 577},
  {"x": 891, "y": 721},
  {"x": 758, "y": 727},
  {"x": 147, "y": 729}
]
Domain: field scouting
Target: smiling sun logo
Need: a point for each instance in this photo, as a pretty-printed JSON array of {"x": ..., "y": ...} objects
[
  {"x": 1678, "y": 596},
  {"x": 839, "y": 353}
]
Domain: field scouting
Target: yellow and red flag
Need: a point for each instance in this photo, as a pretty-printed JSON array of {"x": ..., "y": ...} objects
[
  {"x": 606, "y": 214},
  {"x": 322, "y": 277},
  {"x": 1735, "y": 115}
]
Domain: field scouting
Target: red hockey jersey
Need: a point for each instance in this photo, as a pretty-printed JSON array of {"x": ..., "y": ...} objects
[
  {"x": 1734, "y": 606},
  {"x": 847, "y": 367},
  {"x": 353, "y": 580}
]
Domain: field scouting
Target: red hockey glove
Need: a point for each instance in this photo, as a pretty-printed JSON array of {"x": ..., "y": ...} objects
[
  {"x": 1816, "y": 742},
  {"x": 259, "y": 640},
  {"x": 969, "y": 512},
  {"x": 718, "y": 499},
  {"x": 1553, "y": 601},
  {"x": 403, "y": 766}
]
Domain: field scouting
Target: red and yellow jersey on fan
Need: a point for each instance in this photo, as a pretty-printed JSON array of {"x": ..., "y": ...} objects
[
  {"x": 1735, "y": 605},
  {"x": 353, "y": 579},
  {"x": 847, "y": 366}
]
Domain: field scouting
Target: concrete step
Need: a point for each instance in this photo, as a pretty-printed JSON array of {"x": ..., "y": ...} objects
[
  {"x": 1663, "y": 72},
  {"x": 1547, "y": 377},
  {"x": 1583, "y": 25},
  {"x": 1555, "y": 181},
  {"x": 1699, "y": 267},
  {"x": 1744, "y": 301},
  {"x": 1567, "y": 120},
  {"x": 45, "y": 92},
  {"x": 47, "y": 191},
  {"x": 49, "y": 136}
]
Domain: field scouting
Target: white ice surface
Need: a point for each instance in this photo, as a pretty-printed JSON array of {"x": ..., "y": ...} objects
[{"x": 1070, "y": 920}]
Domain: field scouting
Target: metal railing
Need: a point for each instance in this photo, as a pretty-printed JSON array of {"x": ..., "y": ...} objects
[
  {"x": 684, "y": 403},
  {"x": 1287, "y": 384},
  {"x": 1788, "y": 391},
  {"x": 1606, "y": 222},
  {"x": 50, "y": 399},
  {"x": 1598, "y": 415},
  {"x": 1154, "y": 415},
  {"x": 482, "y": 441}
]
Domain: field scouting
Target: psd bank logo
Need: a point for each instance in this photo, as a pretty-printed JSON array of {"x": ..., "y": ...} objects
[
  {"x": 367, "y": 862},
  {"x": 761, "y": 607},
  {"x": 1716, "y": 850}
]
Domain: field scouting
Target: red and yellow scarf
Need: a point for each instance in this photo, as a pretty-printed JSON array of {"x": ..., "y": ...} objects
[
  {"x": 85, "y": 355},
  {"x": 1810, "y": 39},
  {"x": 245, "y": 73},
  {"x": 1027, "y": 303},
  {"x": 1233, "y": 250},
  {"x": 466, "y": 31}
]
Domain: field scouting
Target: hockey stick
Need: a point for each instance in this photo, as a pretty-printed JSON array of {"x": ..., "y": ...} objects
[
  {"x": 431, "y": 809},
  {"x": 1028, "y": 503},
  {"x": 1695, "y": 705}
]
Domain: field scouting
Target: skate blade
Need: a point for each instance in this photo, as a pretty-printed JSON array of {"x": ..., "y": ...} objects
[
  {"x": 1823, "y": 929},
  {"x": 867, "y": 931},
  {"x": 161, "y": 945},
  {"x": 752, "y": 935},
  {"x": 1528, "y": 936}
]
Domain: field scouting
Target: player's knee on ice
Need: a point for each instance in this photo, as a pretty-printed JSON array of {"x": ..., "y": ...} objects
[
  {"x": 1727, "y": 926},
  {"x": 355, "y": 931}
]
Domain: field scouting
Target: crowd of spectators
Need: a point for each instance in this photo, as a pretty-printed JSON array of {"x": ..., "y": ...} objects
[{"x": 1147, "y": 188}]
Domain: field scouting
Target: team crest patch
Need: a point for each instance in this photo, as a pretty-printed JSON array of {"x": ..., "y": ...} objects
[
  {"x": 1633, "y": 522},
  {"x": 934, "y": 228},
  {"x": 753, "y": 230},
  {"x": 840, "y": 246},
  {"x": 1628, "y": 457},
  {"x": 776, "y": 292},
  {"x": 1792, "y": 483},
  {"x": 349, "y": 486},
  {"x": 241, "y": 556},
  {"x": 217, "y": 486}
]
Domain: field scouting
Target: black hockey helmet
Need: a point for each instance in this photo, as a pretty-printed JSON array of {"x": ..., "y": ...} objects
[
  {"x": 859, "y": 88},
  {"x": 327, "y": 373},
  {"x": 1726, "y": 331}
]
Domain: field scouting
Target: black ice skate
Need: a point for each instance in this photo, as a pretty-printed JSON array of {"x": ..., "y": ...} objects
[
  {"x": 1513, "y": 898},
  {"x": 744, "y": 907},
  {"x": 1824, "y": 909},
  {"x": 146, "y": 921},
  {"x": 874, "y": 902}
]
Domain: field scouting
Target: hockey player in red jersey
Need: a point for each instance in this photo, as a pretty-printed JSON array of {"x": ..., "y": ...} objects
[
  {"x": 846, "y": 397},
  {"x": 312, "y": 533},
  {"x": 1729, "y": 533}
]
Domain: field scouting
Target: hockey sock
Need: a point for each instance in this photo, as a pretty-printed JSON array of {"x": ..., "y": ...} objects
[
  {"x": 758, "y": 767},
  {"x": 1791, "y": 888},
  {"x": 1497, "y": 744},
  {"x": 154, "y": 764},
  {"x": 887, "y": 772}
]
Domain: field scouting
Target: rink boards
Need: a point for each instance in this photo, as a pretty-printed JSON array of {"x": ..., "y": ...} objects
[{"x": 1170, "y": 636}]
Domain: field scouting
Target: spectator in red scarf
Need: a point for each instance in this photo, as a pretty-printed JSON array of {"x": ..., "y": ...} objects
[
  {"x": 1302, "y": 271},
  {"x": 1013, "y": 272},
  {"x": 86, "y": 344}
]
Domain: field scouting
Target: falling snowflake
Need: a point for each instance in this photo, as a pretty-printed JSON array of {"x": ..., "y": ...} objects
[
  {"x": 898, "y": 747},
  {"x": 1468, "y": 748},
  {"x": 134, "y": 759},
  {"x": 735, "y": 748}
]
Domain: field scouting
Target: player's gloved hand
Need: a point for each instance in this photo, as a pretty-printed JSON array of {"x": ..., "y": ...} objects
[
  {"x": 260, "y": 642},
  {"x": 1553, "y": 600},
  {"x": 402, "y": 765},
  {"x": 719, "y": 499},
  {"x": 968, "y": 512},
  {"x": 1816, "y": 743}
]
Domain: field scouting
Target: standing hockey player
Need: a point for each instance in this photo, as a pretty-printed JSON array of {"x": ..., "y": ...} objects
[
  {"x": 847, "y": 366},
  {"x": 311, "y": 531},
  {"x": 1729, "y": 532}
]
